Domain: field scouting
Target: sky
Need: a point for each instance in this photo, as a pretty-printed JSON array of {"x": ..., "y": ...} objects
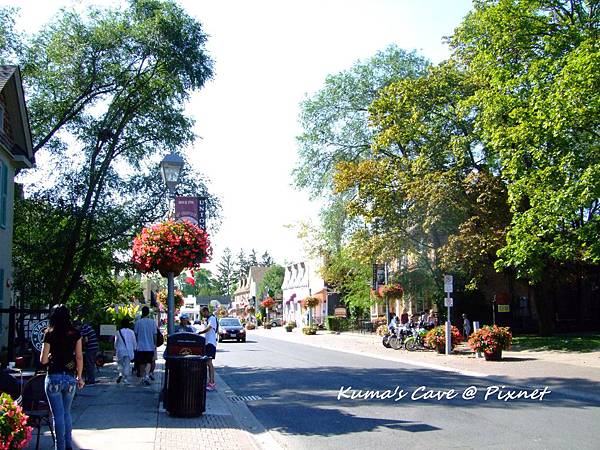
[{"x": 269, "y": 55}]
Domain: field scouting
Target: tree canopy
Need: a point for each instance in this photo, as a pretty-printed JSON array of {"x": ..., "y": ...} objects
[{"x": 106, "y": 96}]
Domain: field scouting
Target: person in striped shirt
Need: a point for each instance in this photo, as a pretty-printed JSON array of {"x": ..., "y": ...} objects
[{"x": 90, "y": 347}]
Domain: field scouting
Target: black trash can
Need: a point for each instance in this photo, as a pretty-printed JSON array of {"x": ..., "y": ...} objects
[{"x": 185, "y": 385}]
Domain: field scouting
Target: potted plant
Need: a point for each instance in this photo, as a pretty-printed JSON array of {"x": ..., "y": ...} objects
[
  {"x": 491, "y": 340},
  {"x": 14, "y": 431},
  {"x": 436, "y": 338},
  {"x": 289, "y": 327},
  {"x": 312, "y": 329},
  {"x": 170, "y": 246}
]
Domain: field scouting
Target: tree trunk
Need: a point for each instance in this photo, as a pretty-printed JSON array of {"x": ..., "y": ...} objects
[{"x": 544, "y": 305}]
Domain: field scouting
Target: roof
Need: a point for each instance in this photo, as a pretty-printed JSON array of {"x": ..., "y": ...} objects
[
  {"x": 6, "y": 73},
  {"x": 257, "y": 273},
  {"x": 20, "y": 147}
]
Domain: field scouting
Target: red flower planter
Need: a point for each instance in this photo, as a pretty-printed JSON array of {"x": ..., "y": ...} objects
[{"x": 495, "y": 356}]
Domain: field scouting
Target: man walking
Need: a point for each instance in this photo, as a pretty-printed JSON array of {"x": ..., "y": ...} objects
[
  {"x": 210, "y": 349},
  {"x": 466, "y": 326},
  {"x": 145, "y": 333},
  {"x": 90, "y": 347}
]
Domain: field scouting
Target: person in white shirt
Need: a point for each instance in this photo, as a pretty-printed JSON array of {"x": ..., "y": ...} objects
[
  {"x": 210, "y": 348},
  {"x": 125, "y": 344}
]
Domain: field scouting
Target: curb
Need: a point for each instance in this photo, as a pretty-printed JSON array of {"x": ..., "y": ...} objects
[{"x": 257, "y": 434}]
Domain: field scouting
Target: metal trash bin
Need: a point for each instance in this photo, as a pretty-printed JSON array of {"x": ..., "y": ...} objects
[
  {"x": 184, "y": 389},
  {"x": 186, "y": 385}
]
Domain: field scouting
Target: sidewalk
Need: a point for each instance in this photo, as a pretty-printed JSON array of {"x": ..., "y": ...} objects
[
  {"x": 573, "y": 374},
  {"x": 117, "y": 416}
]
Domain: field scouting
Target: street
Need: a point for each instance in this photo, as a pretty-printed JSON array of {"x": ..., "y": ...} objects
[{"x": 299, "y": 388}]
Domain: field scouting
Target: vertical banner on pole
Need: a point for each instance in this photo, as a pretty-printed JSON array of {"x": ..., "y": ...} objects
[
  {"x": 192, "y": 209},
  {"x": 186, "y": 208}
]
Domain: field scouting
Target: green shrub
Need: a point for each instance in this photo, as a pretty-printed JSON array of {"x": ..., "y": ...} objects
[{"x": 333, "y": 323}]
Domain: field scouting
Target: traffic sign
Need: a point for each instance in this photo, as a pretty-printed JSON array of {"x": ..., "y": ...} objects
[
  {"x": 448, "y": 282},
  {"x": 448, "y": 302}
]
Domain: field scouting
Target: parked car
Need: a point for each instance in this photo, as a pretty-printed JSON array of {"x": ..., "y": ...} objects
[
  {"x": 276, "y": 322},
  {"x": 231, "y": 328}
]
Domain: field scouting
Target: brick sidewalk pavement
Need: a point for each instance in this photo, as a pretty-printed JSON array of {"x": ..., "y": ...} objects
[{"x": 129, "y": 417}]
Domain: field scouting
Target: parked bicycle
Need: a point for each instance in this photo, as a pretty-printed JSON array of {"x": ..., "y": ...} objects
[{"x": 417, "y": 340}]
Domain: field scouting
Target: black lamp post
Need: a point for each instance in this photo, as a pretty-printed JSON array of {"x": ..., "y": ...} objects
[{"x": 170, "y": 168}]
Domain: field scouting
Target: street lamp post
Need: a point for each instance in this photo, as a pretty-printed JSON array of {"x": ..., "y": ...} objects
[{"x": 170, "y": 168}]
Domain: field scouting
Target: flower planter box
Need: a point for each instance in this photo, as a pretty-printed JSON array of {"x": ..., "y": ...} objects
[
  {"x": 289, "y": 329},
  {"x": 495, "y": 356},
  {"x": 267, "y": 326}
]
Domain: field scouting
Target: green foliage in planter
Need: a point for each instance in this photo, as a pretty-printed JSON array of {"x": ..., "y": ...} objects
[
  {"x": 310, "y": 330},
  {"x": 333, "y": 323}
]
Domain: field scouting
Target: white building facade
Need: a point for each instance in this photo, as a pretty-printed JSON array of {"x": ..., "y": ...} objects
[{"x": 302, "y": 280}]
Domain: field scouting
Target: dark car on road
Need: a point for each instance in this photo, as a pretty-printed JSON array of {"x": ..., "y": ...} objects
[{"x": 231, "y": 328}]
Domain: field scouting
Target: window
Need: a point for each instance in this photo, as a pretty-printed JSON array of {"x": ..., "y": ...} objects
[
  {"x": 1, "y": 117},
  {"x": 3, "y": 193}
]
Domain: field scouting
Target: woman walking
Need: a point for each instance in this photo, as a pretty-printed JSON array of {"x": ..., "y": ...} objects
[
  {"x": 125, "y": 345},
  {"x": 62, "y": 352}
]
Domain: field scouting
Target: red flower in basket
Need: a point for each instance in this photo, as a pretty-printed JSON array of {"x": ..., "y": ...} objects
[
  {"x": 391, "y": 291},
  {"x": 267, "y": 303},
  {"x": 171, "y": 246}
]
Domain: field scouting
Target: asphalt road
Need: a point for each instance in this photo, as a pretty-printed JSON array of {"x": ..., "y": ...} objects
[{"x": 306, "y": 403}]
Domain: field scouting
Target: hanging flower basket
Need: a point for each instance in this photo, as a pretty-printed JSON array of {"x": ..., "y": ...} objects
[
  {"x": 14, "y": 431},
  {"x": 171, "y": 247},
  {"x": 310, "y": 302},
  {"x": 376, "y": 295},
  {"x": 268, "y": 303},
  {"x": 391, "y": 291},
  {"x": 163, "y": 299}
]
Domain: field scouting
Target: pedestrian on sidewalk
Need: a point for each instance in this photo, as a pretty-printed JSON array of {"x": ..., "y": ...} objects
[
  {"x": 184, "y": 325},
  {"x": 63, "y": 353},
  {"x": 145, "y": 334},
  {"x": 90, "y": 350},
  {"x": 466, "y": 326},
  {"x": 210, "y": 348},
  {"x": 125, "y": 343}
]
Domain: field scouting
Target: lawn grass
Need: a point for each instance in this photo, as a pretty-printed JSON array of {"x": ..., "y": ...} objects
[{"x": 565, "y": 342}]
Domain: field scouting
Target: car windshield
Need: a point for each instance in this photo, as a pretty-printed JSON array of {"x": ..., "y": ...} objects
[{"x": 230, "y": 323}]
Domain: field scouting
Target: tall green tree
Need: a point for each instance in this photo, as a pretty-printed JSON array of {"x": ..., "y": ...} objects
[
  {"x": 226, "y": 274},
  {"x": 242, "y": 265},
  {"x": 266, "y": 260},
  {"x": 271, "y": 282},
  {"x": 252, "y": 258},
  {"x": 106, "y": 92},
  {"x": 335, "y": 120},
  {"x": 537, "y": 64}
]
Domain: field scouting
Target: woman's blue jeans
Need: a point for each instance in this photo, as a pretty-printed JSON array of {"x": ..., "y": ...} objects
[{"x": 60, "y": 390}]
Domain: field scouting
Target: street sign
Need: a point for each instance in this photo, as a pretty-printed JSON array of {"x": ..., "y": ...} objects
[
  {"x": 448, "y": 302},
  {"x": 504, "y": 308},
  {"x": 448, "y": 282},
  {"x": 108, "y": 330}
]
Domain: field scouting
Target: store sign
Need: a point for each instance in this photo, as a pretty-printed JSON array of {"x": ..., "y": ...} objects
[
  {"x": 37, "y": 334},
  {"x": 504, "y": 308},
  {"x": 340, "y": 312}
]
